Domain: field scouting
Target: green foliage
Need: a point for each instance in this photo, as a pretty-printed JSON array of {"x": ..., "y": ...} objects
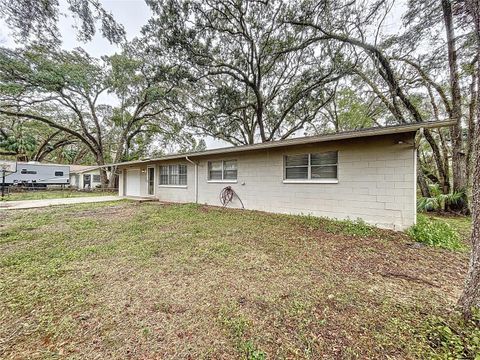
[
  {"x": 252, "y": 353},
  {"x": 235, "y": 96},
  {"x": 353, "y": 111},
  {"x": 32, "y": 20},
  {"x": 452, "y": 338},
  {"x": 346, "y": 227},
  {"x": 435, "y": 232},
  {"x": 238, "y": 325},
  {"x": 438, "y": 200},
  {"x": 19, "y": 141}
]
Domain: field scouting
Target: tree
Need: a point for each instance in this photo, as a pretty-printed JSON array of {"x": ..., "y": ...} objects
[
  {"x": 63, "y": 89},
  {"x": 149, "y": 93},
  {"x": 37, "y": 20},
  {"x": 248, "y": 82},
  {"x": 470, "y": 297},
  {"x": 349, "y": 110},
  {"x": 400, "y": 76},
  {"x": 30, "y": 140}
]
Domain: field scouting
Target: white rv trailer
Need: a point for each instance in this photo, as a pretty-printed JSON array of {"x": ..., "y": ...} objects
[{"x": 38, "y": 175}]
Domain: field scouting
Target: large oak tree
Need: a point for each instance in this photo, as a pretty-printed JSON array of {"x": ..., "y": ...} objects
[
  {"x": 247, "y": 84},
  {"x": 64, "y": 90}
]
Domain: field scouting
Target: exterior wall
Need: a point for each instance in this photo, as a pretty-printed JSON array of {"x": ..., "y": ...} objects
[
  {"x": 121, "y": 181},
  {"x": 176, "y": 193},
  {"x": 74, "y": 180},
  {"x": 376, "y": 182},
  {"x": 143, "y": 179},
  {"x": 167, "y": 193},
  {"x": 80, "y": 184}
]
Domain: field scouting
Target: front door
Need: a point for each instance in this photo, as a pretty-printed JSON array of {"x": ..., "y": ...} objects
[
  {"x": 151, "y": 180},
  {"x": 87, "y": 181}
]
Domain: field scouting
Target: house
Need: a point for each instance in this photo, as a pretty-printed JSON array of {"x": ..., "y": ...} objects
[
  {"x": 36, "y": 174},
  {"x": 367, "y": 174},
  {"x": 85, "y": 177}
]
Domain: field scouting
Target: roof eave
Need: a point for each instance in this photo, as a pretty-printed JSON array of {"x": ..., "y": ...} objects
[{"x": 380, "y": 131}]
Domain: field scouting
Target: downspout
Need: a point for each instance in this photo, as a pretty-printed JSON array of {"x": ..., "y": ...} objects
[{"x": 196, "y": 177}]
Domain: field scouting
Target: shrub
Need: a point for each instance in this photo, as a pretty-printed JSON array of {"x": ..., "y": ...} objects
[
  {"x": 435, "y": 232},
  {"x": 438, "y": 200},
  {"x": 452, "y": 338},
  {"x": 346, "y": 227}
]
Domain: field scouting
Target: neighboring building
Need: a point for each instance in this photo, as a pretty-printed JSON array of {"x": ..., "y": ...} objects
[
  {"x": 85, "y": 177},
  {"x": 37, "y": 174},
  {"x": 367, "y": 174}
]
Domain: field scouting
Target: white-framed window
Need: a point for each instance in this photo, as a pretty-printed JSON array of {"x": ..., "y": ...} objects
[
  {"x": 173, "y": 174},
  {"x": 222, "y": 170},
  {"x": 96, "y": 178},
  {"x": 314, "y": 166}
]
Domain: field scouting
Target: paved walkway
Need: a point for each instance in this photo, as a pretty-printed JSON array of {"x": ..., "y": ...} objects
[{"x": 30, "y": 204}]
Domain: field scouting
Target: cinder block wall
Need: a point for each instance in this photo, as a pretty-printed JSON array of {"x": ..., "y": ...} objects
[{"x": 376, "y": 182}]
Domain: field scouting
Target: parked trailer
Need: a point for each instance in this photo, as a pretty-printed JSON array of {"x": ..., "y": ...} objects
[{"x": 39, "y": 175}]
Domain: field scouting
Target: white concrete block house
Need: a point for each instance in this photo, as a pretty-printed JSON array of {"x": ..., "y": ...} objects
[{"x": 367, "y": 174}]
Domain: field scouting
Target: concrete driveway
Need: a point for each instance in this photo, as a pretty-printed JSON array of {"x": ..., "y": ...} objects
[{"x": 30, "y": 204}]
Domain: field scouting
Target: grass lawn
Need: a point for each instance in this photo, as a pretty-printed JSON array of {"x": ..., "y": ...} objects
[
  {"x": 53, "y": 194},
  {"x": 127, "y": 280}
]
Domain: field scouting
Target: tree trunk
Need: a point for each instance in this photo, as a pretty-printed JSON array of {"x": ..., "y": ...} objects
[
  {"x": 459, "y": 163},
  {"x": 437, "y": 156},
  {"x": 113, "y": 181},
  {"x": 259, "y": 114},
  {"x": 103, "y": 171},
  {"x": 471, "y": 126},
  {"x": 422, "y": 183},
  {"x": 103, "y": 177},
  {"x": 470, "y": 297}
]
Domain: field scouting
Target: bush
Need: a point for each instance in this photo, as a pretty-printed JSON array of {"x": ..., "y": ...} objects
[
  {"x": 346, "y": 227},
  {"x": 438, "y": 200},
  {"x": 452, "y": 338},
  {"x": 435, "y": 232}
]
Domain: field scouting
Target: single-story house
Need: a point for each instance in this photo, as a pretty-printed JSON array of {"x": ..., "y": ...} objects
[
  {"x": 85, "y": 177},
  {"x": 367, "y": 174}
]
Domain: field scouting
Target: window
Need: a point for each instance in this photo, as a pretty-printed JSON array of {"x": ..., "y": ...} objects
[
  {"x": 58, "y": 173},
  {"x": 173, "y": 174},
  {"x": 182, "y": 174},
  {"x": 222, "y": 170},
  {"x": 25, "y": 171},
  {"x": 96, "y": 178},
  {"x": 318, "y": 166}
]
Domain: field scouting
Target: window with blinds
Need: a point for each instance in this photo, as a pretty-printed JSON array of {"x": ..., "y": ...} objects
[
  {"x": 316, "y": 166},
  {"x": 173, "y": 174},
  {"x": 222, "y": 170}
]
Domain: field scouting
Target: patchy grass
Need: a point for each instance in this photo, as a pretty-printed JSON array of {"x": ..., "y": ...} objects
[
  {"x": 128, "y": 280},
  {"x": 53, "y": 194}
]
